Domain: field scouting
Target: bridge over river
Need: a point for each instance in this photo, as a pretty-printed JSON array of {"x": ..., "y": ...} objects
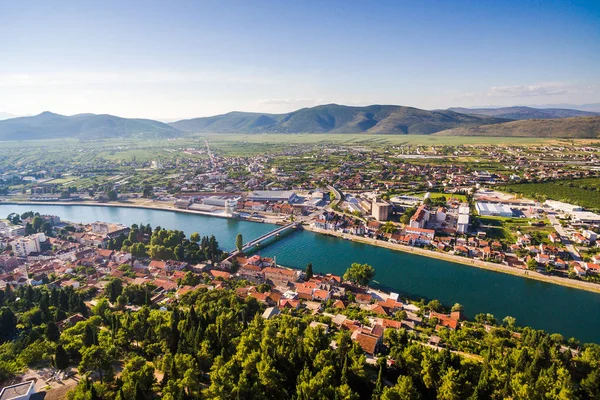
[{"x": 266, "y": 236}]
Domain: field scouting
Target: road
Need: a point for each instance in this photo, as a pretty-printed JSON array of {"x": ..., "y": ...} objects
[
  {"x": 338, "y": 196},
  {"x": 564, "y": 238}
]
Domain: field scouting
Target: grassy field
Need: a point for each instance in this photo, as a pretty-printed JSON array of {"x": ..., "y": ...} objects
[
  {"x": 505, "y": 229},
  {"x": 583, "y": 192}
]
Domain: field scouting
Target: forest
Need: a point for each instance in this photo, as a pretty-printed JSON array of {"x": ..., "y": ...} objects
[{"x": 212, "y": 344}]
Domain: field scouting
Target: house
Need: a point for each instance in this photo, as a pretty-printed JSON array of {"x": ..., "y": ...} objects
[
  {"x": 271, "y": 312},
  {"x": 578, "y": 270},
  {"x": 543, "y": 259},
  {"x": 554, "y": 238},
  {"x": 444, "y": 320},
  {"x": 369, "y": 343},
  {"x": 592, "y": 268}
]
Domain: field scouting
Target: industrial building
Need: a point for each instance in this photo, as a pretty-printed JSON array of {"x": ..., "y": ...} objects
[
  {"x": 560, "y": 206},
  {"x": 493, "y": 210},
  {"x": 272, "y": 195}
]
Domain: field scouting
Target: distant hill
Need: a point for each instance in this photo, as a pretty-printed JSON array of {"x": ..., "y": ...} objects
[
  {"x": 521, "y": 113},
  {"x": 4, "y": 115},
  {"x": 577, "y": 127},
  {"x": 333, "y": 118},
  {"x": 48, "y": 125}
]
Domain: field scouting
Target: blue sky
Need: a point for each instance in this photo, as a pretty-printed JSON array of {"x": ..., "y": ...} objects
[{"x": 196, "y": 58}]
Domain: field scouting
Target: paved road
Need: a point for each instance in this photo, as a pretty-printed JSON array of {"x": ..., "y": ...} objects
[{"x": 563, "y": 236}]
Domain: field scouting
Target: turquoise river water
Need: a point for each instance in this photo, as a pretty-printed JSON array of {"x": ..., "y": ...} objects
[{"x": 554, "y": 308}]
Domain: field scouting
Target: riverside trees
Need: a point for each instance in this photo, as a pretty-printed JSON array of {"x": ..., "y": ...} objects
[{"x": 166, "y": 244}]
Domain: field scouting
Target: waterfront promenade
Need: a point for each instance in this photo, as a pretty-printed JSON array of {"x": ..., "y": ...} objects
[{"x": 589, "y": 286}]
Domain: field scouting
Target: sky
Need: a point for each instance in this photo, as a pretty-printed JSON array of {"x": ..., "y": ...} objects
[{"x": 172, "y": 60}]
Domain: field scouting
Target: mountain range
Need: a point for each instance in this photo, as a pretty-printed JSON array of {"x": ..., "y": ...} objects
[
  {"x": 331, "y": 118},
  {"x": 334, "y": 118},
  {"x": 521, "y": 113},
  {"x": 48, "y": 125}
]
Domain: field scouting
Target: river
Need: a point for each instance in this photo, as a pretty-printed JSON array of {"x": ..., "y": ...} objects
[{"x": 554, "y": 308}]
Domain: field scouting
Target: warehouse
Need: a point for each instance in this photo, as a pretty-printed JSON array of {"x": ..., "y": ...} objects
[
  {"x": 491, "y": 209},
  {"x": 272, "y": 195}
]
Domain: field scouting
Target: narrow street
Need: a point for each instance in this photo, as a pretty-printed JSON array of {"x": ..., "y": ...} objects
[{"x": 564, "y": 238}]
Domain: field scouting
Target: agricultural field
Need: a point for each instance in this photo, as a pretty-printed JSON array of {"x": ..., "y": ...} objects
[{"x": 583, "y": 192}]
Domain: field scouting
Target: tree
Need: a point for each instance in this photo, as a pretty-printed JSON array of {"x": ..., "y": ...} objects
[
  {"x": 137, "y": 372},
  {"x": 147, "y": 193},
  {"x": 52, "y": 332},
  {"x": 532, "y": 264},
  {"x": 95, "y": 358},
  {"x": 195, "y": 237},
  {"x": 457, "y": 307},
  {"x": 309, "y": 271},
  {"x": 450, "y": 387},
  {"x": 509, "y": 322},
  {"x": 403, "y": 390},
  {"x": 61, "y": 359},
  {"x": 388, "y": 227},
  {"x": 360, "y": 274},
  {"x": 8, "y": 322},
  {"x": 36, "y": 223},
  {"x": 435, "y": 305},
  {"x": 239, "y": 242},
  {"x": 112, "y": 195}
]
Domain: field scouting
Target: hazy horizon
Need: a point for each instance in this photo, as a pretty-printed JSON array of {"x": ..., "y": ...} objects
[{"x": 192, "y": 59}]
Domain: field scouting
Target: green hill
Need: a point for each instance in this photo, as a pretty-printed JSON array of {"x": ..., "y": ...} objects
[
  {"x": 577, "y": 127},
  {"x": 48, "y": 125},
  {"x": 334, "y": 118}
]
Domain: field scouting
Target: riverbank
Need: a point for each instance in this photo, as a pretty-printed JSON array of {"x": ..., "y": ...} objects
[
  {"x": 144, "y": 204},
  {"x": 163, "y": 206},
  {"x": 500, "y": 268}
]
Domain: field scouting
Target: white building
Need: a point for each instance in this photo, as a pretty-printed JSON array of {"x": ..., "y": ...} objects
[
  {"x": 491, "y": 209},
  {"x": 27, "y": 245},
  {"x": 563, "y": 207},
  {"x": 12, "y": 230},
  {"x": 462, "y": 225},
  {"x": 221, "y": 201},
  {"x": 585, "y": 217},
  {"x": 272, "y": 195},
  {"x": 20, "y": 391}
]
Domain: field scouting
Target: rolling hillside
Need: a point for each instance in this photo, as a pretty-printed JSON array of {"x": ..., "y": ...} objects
[
  {"x": 521, "y": 113},
  {"x": 48, "y": 125},
  {"x": 577, "y": 127},
  {"x": 333, "y": 118}
]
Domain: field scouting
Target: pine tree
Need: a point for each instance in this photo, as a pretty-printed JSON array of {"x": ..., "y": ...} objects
[
  {"x": 61, "y": 359},
  {"x": 309, "y": 271}
]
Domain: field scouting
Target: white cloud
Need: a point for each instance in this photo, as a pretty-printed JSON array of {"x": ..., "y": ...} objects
[{"x": 542, "y": 89}]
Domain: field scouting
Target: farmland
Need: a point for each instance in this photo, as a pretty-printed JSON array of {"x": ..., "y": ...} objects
[{"x": 583, "y": 192}]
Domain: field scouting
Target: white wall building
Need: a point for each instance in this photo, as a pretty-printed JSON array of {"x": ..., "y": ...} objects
[
  {"x": 29, "y": 244},
  {"x": 563, "y": 207},
  {"x": 491, "y": 209},
  {"x": 272, "y": 195}
]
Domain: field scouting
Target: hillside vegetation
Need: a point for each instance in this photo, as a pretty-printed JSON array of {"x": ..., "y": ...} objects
[
  {"x": 520, "y": 113},
  {"x": 333, "y": 118},
  {"x": 578, "y": 127},
  {"x": 48, "y": 125}
]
